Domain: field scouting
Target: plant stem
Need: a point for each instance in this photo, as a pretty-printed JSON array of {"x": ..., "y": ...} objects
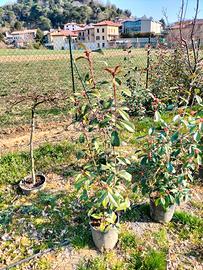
[
  {"x": 31, "y": 146},
  {"x": 114, "y": 92}
]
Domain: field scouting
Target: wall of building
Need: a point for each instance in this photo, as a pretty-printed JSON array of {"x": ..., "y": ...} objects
[
  {"x": 59, "y": 42},
  {"x": 141, "y": 26},
  {"x": 156, "y": 27},
  {"x": 105, "y": 34}
]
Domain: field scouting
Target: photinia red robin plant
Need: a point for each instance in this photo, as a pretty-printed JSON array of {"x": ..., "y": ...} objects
[
  {"x": 103, "y": 180},
  {"x": 173, "y": 152}
]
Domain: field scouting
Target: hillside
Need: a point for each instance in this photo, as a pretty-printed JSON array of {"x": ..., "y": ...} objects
[{"x": 46, "y": 14}]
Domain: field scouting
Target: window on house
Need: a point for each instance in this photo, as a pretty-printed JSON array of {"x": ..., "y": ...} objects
[
  {"x": 98, "y": 44},
  {"x": 103, "y": 45},
  {"x": 97, "y": 37},
  {"x": 98, "y": 30},
  {"x": 88, "y": 31},
  {"x": 102, "y": 30},
  {"x": 103, "y": 37}
]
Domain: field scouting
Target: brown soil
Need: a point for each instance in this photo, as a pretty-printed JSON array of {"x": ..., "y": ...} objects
[
  {"x": 31, "y": 58},
  {"x": 17, "y": 139}
]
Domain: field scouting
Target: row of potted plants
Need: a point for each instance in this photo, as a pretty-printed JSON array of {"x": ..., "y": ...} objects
[{"x": 172, "y": 153}]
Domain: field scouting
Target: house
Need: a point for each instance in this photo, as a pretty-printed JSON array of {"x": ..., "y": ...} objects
[
  {"x": 73, "y": 26},
  {"x": 8, "y": 38},
  {"x": 174, "y": 35},
  {"x": 58, "y": 40},
  {"x": 23, "y": 38},
  {"x": 87, "y": 36},
  {"x": 106, "y": 33},
  {"x": 142, "y": 25}
]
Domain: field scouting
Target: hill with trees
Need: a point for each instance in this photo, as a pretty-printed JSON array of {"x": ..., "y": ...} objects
[{"x": 46, "y": 14}]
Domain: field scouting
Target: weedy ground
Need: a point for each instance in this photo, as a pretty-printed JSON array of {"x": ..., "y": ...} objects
[{"x": 53, "y": 221}]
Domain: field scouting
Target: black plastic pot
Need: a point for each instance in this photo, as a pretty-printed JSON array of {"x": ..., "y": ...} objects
[
  {"x": 40, "y": 184},
  {"x": 201, "y": 172},
  {"x": 159, "y": 214}
]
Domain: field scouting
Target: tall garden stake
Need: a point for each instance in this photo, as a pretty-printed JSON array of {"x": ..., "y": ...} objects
[
  {"x": 71, "y": 64},
  {"x": 72, "y": 68}
]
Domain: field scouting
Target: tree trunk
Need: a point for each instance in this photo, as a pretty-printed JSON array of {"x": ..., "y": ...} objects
[{"x": 31, "y": 146}]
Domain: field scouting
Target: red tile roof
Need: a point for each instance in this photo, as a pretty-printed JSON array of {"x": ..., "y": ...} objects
[
  {"x": 186, "y": 23},
  {"x": 107, "y": 23},
  {"x": 64, "y": 33}
]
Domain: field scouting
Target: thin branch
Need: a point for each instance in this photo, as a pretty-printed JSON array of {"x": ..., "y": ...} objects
[
  {"x": 192, "y": 34},
  {"x": 181, "y": 35}
]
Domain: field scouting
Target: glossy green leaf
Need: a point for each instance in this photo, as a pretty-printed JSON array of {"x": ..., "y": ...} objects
[
  {"x": 115, "y": 140},
  {"x": 197, "y": 136},
  {"x": 174, "y": 137},
  {"x": 112, "y": 200},
  {"x": 125, "y": 175},
  {"x": 170, "y": 168},
  {"x": 157, "y": 117},
  {"x": 124, "y": 115},
  {"x": 199, "y": 99},
  {"x": 128, "y": 126},
  {"x": 151, "y": 131},
  {"x": 199, "y": 160},
  {"x": 127, "y": 92},
  {"x": 118, "y": 81},
  {"x": 82, "y": 138}
]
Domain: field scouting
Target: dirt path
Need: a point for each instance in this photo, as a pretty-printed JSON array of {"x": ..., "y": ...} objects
[{"x": 17, "y": 139}]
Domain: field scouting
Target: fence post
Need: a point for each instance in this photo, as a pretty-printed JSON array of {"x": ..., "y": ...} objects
[
  {"x": 148, "y": 61},
  {"x": 71, "y": 64},
  {"x": 72, "y": 71}
]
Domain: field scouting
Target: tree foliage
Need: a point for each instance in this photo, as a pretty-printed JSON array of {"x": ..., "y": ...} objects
[{"x": 45, "y": 14}]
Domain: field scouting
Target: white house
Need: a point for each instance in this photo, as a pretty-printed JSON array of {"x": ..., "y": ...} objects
[
  {"x": 58, "y": 40},
  {"x": 73, "y": 26},
  {"x": 25, "y": 35}
]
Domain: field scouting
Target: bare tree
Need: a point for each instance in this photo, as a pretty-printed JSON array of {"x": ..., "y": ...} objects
[{"x": 34, "y": 100}]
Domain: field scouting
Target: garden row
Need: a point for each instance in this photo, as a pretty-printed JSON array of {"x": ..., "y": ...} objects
[{"x": 163, "y": 168}]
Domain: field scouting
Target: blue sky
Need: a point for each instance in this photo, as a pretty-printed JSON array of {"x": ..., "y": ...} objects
[{"x": 152, "y": 7}]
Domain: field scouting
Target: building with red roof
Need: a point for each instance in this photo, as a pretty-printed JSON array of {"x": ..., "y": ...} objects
[
  {"x": 186, "y": 30},
  {"x": 58, "y": 40}
]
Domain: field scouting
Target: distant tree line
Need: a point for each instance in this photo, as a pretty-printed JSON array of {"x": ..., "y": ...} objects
[{"x": 46, "y": 14}]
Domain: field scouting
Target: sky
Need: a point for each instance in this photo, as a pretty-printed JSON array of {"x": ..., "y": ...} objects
[
  {"x": 152, "y": 8},
  {"x": 155, "y": 8}
]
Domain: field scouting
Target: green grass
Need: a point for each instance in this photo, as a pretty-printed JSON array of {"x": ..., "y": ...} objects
[
  {"x": 52, "y": 74},
  {"x": 188, "y": 226},
  {"x": 15, "y": 166},
  {"x": 128, "y": 241}
]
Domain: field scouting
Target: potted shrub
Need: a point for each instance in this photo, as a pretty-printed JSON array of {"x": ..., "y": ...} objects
[
  {"x": 172, "y": 154},
  {"x": 35, "y": 181},
  {"x": 103, "y": 180}
]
